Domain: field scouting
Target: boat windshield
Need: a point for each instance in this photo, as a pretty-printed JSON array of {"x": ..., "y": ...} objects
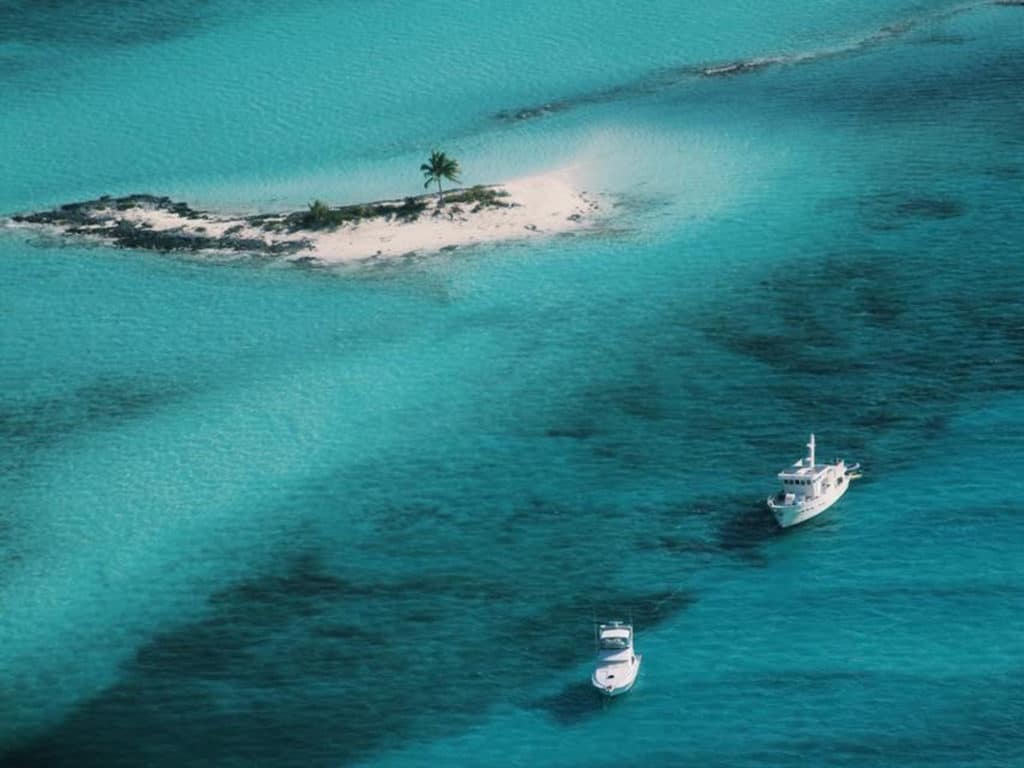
[{"x": 619, "y": 643}]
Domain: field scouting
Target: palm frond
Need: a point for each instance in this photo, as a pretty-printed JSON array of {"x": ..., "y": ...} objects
[{"x": 438, "y": 167}]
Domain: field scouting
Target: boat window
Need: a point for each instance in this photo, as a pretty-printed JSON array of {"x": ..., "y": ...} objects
[{"x": 614, "y": 643}]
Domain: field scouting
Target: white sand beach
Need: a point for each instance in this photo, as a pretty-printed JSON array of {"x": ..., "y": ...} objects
[{"x": 539, "y": 206}]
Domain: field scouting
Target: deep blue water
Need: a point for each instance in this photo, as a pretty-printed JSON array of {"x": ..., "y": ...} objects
[{"x": 258, "y": 514}]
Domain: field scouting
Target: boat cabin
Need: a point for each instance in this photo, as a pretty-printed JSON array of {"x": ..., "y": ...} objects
[
  {"x": 615, "y": 638},
  {"x": 803, "y": 480}
]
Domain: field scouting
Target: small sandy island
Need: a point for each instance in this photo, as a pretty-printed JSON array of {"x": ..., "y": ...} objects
[{"x": 531, "y": 207}]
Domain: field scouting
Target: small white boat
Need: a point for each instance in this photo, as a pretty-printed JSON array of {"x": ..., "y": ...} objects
[
  {"x": 808, "y": 489},
  {"x": 617, "y": 662}
]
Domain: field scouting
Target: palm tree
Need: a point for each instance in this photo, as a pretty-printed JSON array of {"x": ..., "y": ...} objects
[{"x": 440, "y": 166}]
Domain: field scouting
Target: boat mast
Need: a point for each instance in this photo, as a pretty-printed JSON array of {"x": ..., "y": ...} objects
[{"x": 810, "y": 445}]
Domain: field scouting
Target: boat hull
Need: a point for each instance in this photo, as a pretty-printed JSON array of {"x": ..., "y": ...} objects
[
  {"x": 788, "y": 515},
  {"x": 623, "y": 681}
]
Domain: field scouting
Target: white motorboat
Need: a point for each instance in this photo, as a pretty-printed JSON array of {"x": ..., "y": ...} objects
[
  {"x": 617, "y": 661},
  {"x": 808, "y": 489}
]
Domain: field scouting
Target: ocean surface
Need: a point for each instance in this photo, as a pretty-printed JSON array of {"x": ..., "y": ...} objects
[{"x": 257, "y": 514}]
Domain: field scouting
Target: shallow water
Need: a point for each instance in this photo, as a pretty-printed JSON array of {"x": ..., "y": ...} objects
[{"x": 256, "y": 513}]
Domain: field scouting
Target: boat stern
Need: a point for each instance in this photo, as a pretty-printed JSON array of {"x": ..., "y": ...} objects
[{"x": 618, "y": 678}]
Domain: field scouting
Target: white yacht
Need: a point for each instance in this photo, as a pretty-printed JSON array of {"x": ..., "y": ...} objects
[
  {"x": 808, "y": 489},
  {"x": 617, "y": 662}
]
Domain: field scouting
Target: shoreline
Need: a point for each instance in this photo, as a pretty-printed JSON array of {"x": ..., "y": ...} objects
[{"x": 532, "y": 207}]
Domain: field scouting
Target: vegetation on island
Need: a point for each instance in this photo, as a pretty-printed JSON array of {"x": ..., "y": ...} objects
[
  {"x": 438, "y": 167},
  {"x": 481, "y": 196},
  {"x": 319, "y": 213},
  {"x": 322, "y": 216}
]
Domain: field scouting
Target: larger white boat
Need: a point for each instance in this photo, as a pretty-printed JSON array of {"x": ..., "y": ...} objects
[
  {"x": 617, "y": 661},
  {"x": 808, "y": 489}
]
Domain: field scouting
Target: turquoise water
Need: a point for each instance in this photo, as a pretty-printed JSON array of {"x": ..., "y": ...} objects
[{"x": 256, "y": 514}]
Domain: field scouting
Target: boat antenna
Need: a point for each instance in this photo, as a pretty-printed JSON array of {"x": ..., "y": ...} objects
[{"x": 810, "y": 446}]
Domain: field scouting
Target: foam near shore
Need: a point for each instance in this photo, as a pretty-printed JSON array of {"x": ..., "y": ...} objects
[{"x": 531, "y": 207}]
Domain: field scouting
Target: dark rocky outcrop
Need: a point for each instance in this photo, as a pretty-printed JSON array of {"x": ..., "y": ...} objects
[{"x": 100, "y": 218}]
